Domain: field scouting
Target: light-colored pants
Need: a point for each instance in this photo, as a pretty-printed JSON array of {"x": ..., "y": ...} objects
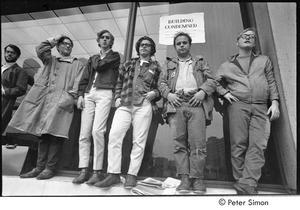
[
  {"x": 140, "y": 117},
  {"x": 93, "y": 123},
  {"x": 249, "y": 134}
]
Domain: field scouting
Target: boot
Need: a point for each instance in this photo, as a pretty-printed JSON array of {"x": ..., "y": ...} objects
[
  {"x": 97, "y": 176},
  {"x": 82, "y": 177},
  {"x": 130, "y": 181},
  {"x": 33, "y": 173},
  {"x": 110, "y": 181},
  {"x": 185, "y": 184},
  {"x": 198, "y": 186}
]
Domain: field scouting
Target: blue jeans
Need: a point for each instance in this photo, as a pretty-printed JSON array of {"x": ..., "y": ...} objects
[
  {"x": 49, "y": 152},
  {"x": 249, "y": 128},
  {"x": 188, "y": 132}
]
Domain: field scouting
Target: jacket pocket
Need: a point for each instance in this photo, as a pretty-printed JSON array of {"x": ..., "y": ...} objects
[
  {"x": 66, "y": 102},
  {"x": 36, "y": 94}
]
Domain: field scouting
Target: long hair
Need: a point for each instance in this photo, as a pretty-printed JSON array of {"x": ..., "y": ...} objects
[{"x": 138, "y": 43}]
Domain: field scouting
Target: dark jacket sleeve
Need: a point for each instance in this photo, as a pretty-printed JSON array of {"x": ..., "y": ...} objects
[
  {"x": 163, "y": 81},
  {"x": 21, "y": 84},
  {"x": 154, "y": 86},
  {"x": 209, "y": 84},
  {"x": 108, "y": 62},
  {"x": 85, "y": 78}
]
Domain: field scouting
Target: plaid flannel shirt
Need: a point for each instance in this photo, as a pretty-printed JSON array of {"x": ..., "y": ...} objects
[{"x": 124, "y": 88}]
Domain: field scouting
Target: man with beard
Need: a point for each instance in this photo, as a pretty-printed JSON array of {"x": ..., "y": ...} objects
[{"x": 13, "y": 82}]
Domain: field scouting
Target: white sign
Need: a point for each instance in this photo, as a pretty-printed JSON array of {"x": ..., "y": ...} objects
[{"x": 193, "y": 24}]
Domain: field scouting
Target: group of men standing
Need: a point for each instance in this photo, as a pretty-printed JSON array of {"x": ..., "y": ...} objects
[{"x": 186, "y": 84}]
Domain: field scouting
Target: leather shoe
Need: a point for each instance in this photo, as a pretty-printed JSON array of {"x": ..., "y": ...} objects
[
  {"x": 46, "y": 174},
  {"x": 130, "y": 181},
  {"x": 185, "y": 184},
  {"x": 97, "y": 176},
  {"x": 244, "y": 189},
  {"x": 33, "y": 173},
  {"x": 110, "y": 181},
  {"x": 198, "y": 186},
  {"x": 82, "y": 177}
]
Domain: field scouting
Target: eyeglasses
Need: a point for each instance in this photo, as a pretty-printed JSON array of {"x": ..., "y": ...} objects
[
  {"x": 248, "y": 36},
  {"x": 10, "y": 52},
  {"x": 106, "y": 37},
  {"x": 179, "y": 43},
  {"x": 145, "y": 45},
  {"x": 67, "y": 44}
]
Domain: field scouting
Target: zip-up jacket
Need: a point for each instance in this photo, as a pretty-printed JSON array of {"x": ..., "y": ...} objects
[
  {"x": 204, "y": 79},
  {"x": 258, "y": 86},
  {"x": 107, "y": 69}
]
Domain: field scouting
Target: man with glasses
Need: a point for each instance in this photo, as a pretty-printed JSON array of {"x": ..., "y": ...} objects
[
  {"x": 247, "y": 82},
  {"x": 13, "y": 83},
  {"x": 135, "y": 96},
  {"x": 95, "y": 98},
  {"x": 186, "y": 84},
  {"x": 48, "y": 108}
]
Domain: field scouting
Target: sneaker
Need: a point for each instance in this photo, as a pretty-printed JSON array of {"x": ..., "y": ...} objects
[
  {"x": 46, "y": 174},
  {"x": 130, "y": 181},
  {"x": 82, "y": 177},
  {"x": 31, "y": 174},
  {"x": 185, "y": 184},
  {"x": 110, "y": 181},
  {"x": 97, "y": 176},
  {"x": 244, "y": 189},
  {"x": 198, "y": 186}
]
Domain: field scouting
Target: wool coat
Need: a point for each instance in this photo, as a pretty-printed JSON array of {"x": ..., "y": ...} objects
[{"x": 48, "y": 107}]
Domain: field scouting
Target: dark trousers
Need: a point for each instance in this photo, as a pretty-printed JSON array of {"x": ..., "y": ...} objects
[{"x": 49, "y": 152}]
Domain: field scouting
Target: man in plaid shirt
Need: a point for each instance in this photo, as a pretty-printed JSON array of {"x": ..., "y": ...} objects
[{"x": 136, "y": 95}]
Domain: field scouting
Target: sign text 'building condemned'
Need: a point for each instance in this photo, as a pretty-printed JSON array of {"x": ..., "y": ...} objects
[{"x": 190, "y": 23}]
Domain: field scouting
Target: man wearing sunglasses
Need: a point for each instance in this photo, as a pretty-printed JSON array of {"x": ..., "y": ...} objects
[
  {"x": 95, "y": 98},
  {"x": 47, "y": 109},
  {"x": 186, "y": 84},
  {"x": 247, "y": 83}
]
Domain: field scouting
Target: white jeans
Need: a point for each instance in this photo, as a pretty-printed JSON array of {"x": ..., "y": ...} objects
[
  {"x": 93, "y": 123},
  {"x": 140, "y": 117}
]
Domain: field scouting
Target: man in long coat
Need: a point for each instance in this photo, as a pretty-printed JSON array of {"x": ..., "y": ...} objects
[
  {"x": 13, "y": 83},
  {"x": 48, "y": 108}
]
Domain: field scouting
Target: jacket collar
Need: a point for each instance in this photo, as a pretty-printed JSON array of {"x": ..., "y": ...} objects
[
  {"x": 8, "y": 66},
  {"x": 193, "y": 58},
  {"x": 106, "y": 53},
  {"x": 253, "y": 55},
  {"x": 66, "y": 59}
]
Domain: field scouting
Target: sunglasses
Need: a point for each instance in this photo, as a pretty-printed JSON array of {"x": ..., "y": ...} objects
[{"x": 145, "y": 45}]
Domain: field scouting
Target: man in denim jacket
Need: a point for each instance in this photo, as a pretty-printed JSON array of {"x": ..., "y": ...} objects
[
  {"x": 248, "y": 84},
  {"x": 186, "y": 84}
]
